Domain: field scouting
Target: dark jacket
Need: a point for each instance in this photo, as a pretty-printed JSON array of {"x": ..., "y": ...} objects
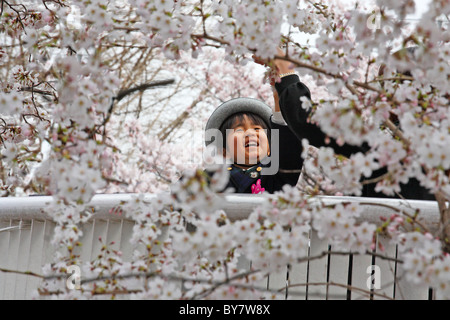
[{"x": 290, "y": 89}]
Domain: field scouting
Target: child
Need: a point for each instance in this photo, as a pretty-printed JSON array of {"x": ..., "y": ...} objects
[
  {"x": 291, "y": 121},
  {"x": 247, "y": 125}
]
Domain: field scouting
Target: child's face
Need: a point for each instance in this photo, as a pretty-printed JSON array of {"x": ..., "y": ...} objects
[{"x": 250, "y": 142}]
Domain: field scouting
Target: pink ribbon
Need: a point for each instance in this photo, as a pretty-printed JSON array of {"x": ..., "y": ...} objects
[{"x": 256, "y": 188}]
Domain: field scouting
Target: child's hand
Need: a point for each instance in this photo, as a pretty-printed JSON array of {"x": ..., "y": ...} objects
[
  {"x": 280, "y": 66},
  {"x": 277, "y": 66}
]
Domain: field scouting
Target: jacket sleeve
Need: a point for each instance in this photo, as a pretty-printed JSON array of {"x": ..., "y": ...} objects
[
  {"x": 289, "y": 147},
  {"x": 288, "y": 150},
  {"x": 290, "y": 90}
]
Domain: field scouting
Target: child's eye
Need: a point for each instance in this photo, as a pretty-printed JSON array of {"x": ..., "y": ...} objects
[{"x": 239, "y": 130}]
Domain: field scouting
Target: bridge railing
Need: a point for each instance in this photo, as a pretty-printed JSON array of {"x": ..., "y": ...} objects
[{"x": 26, "y": 232}]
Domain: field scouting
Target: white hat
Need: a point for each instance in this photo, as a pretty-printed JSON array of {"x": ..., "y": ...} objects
[{"x": 237, "y": 105}]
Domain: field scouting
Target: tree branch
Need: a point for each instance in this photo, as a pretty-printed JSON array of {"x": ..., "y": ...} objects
[{"x": 123, "y": 93}]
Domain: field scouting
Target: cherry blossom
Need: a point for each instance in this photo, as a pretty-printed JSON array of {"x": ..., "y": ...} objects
[{"x": 66, "y": 131}]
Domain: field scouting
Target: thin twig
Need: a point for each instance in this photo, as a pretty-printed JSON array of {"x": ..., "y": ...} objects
[
  {"x": 399, "y": 211},
  {"x": 27, "y": 273}
]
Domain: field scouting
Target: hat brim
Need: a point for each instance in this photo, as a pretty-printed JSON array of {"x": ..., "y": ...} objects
[{"x": 238, "y": 105}]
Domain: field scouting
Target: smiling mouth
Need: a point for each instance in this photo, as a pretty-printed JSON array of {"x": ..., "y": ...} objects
[{"x": 251, "y": 144}]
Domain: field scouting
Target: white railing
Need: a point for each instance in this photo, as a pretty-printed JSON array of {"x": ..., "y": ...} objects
[{"x": 26, "y": 232}]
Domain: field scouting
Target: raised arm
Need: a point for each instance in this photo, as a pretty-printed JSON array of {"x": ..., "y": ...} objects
[{"x": 290, "y": 89}]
